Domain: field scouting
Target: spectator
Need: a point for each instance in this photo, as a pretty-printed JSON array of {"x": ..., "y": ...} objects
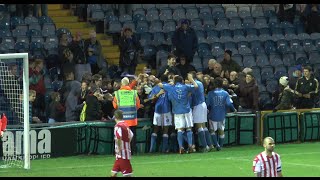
[
  {"x": 233, "y": 80},
  {"x": 185, "y": 41},
  {"x": 232, "y": 94},
  {"x": 63, "y": 51},
  {"x": 36, "y": 80},
  {"x": 107, "y": 107},
  {"x": 81, "y": 11},
  {"x": 287, "y": 12},
  {"x": 311, "y": 17},
  {"x": 297, "y": 74},
  {"x": 248, "y": 93},
  {"x": 286, "y": 96},
  {"x": 56, "y": 109},
  {"x": 97, "y": 80},
  {"x": 66, "y": 86},
  {"x": 32, "y": 97},
  {"x": 94, "y": 110},
  {"x": 44, "y": 10},
  {"x": 170, "y": 67},
  {"x": 84, "y": 91},
  {"x": 228, "y": 64},
  {"x": 185, "y": 67},
  {"x": 130, "y": 49},
  {"x": 94, "y": 53},
  {"x": 209, "y": 69},
  {"x": 217, "y": 70},
  {"x": 71, "y": 102},
  {"x": 306, "y": 89},
  {"x": 79, "y": 53}
]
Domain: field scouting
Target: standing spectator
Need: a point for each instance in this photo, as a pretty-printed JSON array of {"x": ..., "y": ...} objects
[
  {"x": 130, "y": 48},
  {"x": 268, "y": 162},
  {"x": 233, "y": 80},
  {"x": 32, "y": 117},
  {"x": 84, "y": 91},
  {"x": 3, "y": 126},
  {"x": 94, "y": 53},
  {"x": 71, "y": 102},
  {"x": 64, "y": 53},
  {"x": 170, "y": 67},
  {"x": 128, "y": 101},
  {"x": 94, "y": 110},
  {"x": 184, "y": 67},
  {"x": 185, "y": 41},
  {"x": 181, "y": 109},
  {"x": 162, "y": 118},
  {"x": 80, "y": 58},
  {"x": 311, "y": 16},
  {"x": 287, "y": 12},
  {"x": 248, "y": 93},
  {"x": 297, "y": 74},
  {"x": 122, "y": 136},
  {"x": 57, "y": 110},
  {"x": 44, "y": 10},
  {"x": 286, "y": 95},
  {"x": 306, "y": 89},
  {"x": 199, "y": 115},
  {"x": 217, "y": 101},
  {"x": 228, "y": 64}
]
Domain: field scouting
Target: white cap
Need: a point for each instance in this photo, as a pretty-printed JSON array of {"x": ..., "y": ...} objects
[{"x": 284, "y": 81}]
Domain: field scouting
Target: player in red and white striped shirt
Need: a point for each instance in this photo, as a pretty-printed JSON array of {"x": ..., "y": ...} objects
[
  {"x": 267, "y": 163},
  {"x": 122, "y": 137}
]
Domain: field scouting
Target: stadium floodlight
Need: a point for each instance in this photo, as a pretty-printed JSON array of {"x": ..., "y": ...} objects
[{"x": 15, "y": 103}]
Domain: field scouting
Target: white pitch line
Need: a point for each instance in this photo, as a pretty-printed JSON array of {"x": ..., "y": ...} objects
[{"x": 176, "y": 161}]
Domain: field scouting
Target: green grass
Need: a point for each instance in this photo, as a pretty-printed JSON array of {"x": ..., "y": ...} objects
[{"x": 298, "y": 160}]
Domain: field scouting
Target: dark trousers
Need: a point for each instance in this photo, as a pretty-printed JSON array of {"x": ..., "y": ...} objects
[
  {"x": 133, "y": 141},
  {"x": 304, "y": 103},
  {"x": 1, "y": 149}
]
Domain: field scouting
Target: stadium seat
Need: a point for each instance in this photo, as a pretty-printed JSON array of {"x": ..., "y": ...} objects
[
  {"x": 288, "y": 59},
  {"x": 237, "y": 58},
  {"x": 282, "y": 46},
  {"x": 149, "y": 53},
  {"x": 169, "y": 36},
  {"x": 197, "y": 63},
  {"x": 222, "y": 23},
  {"x": 152, "y": 14},
  {"x": 142, "y": 26},
  {"x": 301, "y": 58},
  {"x": 158, "y": 39},
  {"x": 295, "y": 45},
  {"x": 174, "y": 6},
  {"x": 225, "y": 35},
  {"x": 262, "y": 60},
  {"x": 308, "y": 46},
  {"x": 248, "y": 60},
  {"x": 162, "y": 6},
  {"x": 302, "y": 36},
  {"x": 192, "y": 13},
  {"x": 169, "y": 26},
  {"x": 8, "y": 42},
  {"x": 231, "y": 12},
  {"x": 265, "y": 102},
  {"x": 51, "y": 48},
  {"x": 206, "y": 16},
  {"x": 314, "y": 57},
  {"x": 204, "y": 9},
  {"x": 266, "y": 73},
  {"x": 21, "y": 47},
  {"x": 280, "y": 71},
  {"x": 256, "y": 47},
  {"x": 235, "y": 23},
  {"x": 45, "y": 19},
  {"x": 15, "y": 21},
  {"x": 271, "y": 85},
  {"x": 129, "y": 24},
  {"x": 165, "y": 14},
  {"x": 24, "y": 39},
  {"x": 145, "y": 38},
  {"x": 36, "y": 48},
  {"x": 148, "y": 6},
  {"x": 178, "y": 14},
  {"x": 275, "y": 59},
  {"x": 96, "y": 15},
  {"x": 125, "y": 17},
  {"x": 247, "y": 22},
  {"x": 270, "y": 46},
  {"x": 217, "y": 49},
  {"x": 315, "y": 36},
  {"x": 137, "y": 11},
  {"x": 244, "y": 11},
  {"x": 33, "y": 32},
  {"x": 218, "y": 12},
  {"x": 36, "y": 26},
  {"x": 204, "y": 50},
  {"x": 5, "y": 33},
  {"x": 196, "y": 24},
  {"x": 243, "y": 48},
  {"x": 213, "y": 36},
  {"x": 155, "y": 26},
  {"x": 18, "y": 32},
  {"x": 161, "y": 58},
  {"x": 201, "y": 36},
  {"x": 260, "y": 22}
]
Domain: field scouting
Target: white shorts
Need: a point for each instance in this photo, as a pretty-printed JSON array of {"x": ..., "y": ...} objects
[
  {"x": 199, "y": 113},
  {"x": 162, "y": 119},
  {"x": 183, "y": 120},
  {"x": 215, "y": 125}
]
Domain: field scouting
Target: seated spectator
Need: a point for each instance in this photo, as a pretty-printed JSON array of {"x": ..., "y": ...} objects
[
  {"x": 209, "y": 69},
  {"x": 297, "y": 74},
  {"x": 286, "y": 95},
  {"x": 233, "y": 80},
  {"x": 170, "y": 67},
  {"x": 217, "y": 70},
  {"x": 287, "y": 12}
]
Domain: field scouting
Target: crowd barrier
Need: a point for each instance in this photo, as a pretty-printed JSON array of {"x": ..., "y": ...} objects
[{"x": 68, "y": 139}]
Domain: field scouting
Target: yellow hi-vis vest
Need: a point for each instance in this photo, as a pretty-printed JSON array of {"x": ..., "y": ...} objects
[{"x": 126, "y": 101}]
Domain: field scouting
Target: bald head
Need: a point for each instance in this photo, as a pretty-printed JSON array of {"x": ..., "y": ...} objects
[
  {"x": 211, "y": 63},
  {"x": 125, "y": 81},
  {"x": 267, "y": 140}
]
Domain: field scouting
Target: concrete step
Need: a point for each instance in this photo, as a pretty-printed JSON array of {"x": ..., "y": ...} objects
[
  {"x": 54, "y": 6},
  {"x": 73, "y": 25},
  {"x": 64, "y": 19},
  {"x": 82, "y": 30},
  {"x": 111, "y": 55},
  {"x": 58, "y": 13},
  {"x": 106, "y": 42}
]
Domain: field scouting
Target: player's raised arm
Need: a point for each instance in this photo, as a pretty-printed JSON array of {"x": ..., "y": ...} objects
[{"x": 190, "y": 78}]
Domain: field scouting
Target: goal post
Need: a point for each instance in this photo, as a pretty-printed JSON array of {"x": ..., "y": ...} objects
[{"x": 20, "y": 108}]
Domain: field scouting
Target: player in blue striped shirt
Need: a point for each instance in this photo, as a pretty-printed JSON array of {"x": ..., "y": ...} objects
[
  {"x": 218, "y": 100},
  {"x": 181, "y": 109},
  {"x": 162, "y": 118}
]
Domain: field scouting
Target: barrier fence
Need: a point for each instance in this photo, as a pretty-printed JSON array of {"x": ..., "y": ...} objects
[{"x": 67, "y": 139}]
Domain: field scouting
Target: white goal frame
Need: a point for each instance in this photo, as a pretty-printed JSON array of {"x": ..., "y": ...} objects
[{"x": 26, "y": 124}]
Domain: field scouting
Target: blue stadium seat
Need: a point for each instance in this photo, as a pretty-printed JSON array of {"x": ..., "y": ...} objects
[
  {"x": 248, "y": 60},
  {"x": 271, "y": 85},
  {"x": 317, "y": 44},
  {"x": 266, "y": 73},
  {"x": 275, "y": 59},
  {"x": 162, "y": 6},
  {"x": 96, "y": 15},
  {"x": 222, "y": 23},
  {"x": 314, "y": 57},
  {"x": 137, "y": 11},
  {"x": 37, "y": 39},
  {"x": 5, "y": 33},
  {"x": 231, "y": 12},
  {"x": 169, "y": 36},
  {"x": 45, "y": 19},
  {"x": 204, "y": 50},
  {"x": 204, "y": 9},
  {"x": 225, "y": 35},
  {"x": 243, "y": 48},
  {"x": 308, "y": 46},
  {"x": 288, "y": 59},
  {"x": 145, "y": 38},
  {"x": 239, "y": 35},
  {"x": 244, "y": 11},
  {"x": 48, "y": 29},
  {"x": 315, "y": 36},
  {"x": 302, "y": 36},
  {"x": 51, "y": 47},
  {"x": 152, "y": 14},
  {"x": 18, "y": 32},
  {"x": 251, "y": 31},
  {"x": 161, "y": 58},
  {"x": 36, "y": 26},
  {"x": 201, "y": 36},
  {"x": 36, "y": 48},
  {"x": 197, "y": 63},
  {"x": 156, "y": 26},
  {"x": 15, "y": 21},
  {"x": 196, "y": 24},
  {"x": 208, "y": 27},
  {"x": 158, "y": 38},
  {"x": 169, "y": 26},
  {"x": 33, "y": 32},
  {"x": 301, "y": 58},
  {"x": 256, "y": 71},
  {"x": 149, "y": 52},
  {"x": 142, "y": 26},
  {"x": 235, "y": 23},
  {"x": 270, "y": 46},
  {"x": 257, "y": 47},
  {"x": 24, "y": 39},
  {"x": 237, "y": 58},
  {"x": 217, "y": 49},
  {"x": 192, "y": 13},
  {"x": 260, "y": 22},
  {"x": 283, "y": 46},
  {"x": 262, "y": 60},
  {"x": 8, "y": 43},
  {"x": 165, "y": 14},
  {"x": 205, "y": 16},
  {"x": 248, "y": 22},
  {"x": 178, "y": 14},
  {"x": 295, "y": 45},
  {"x": 174, "y": 6},
  {"x": 218, "y": 12},
  {"x": 280, "y": 71},
  {"x": 125, "y": 17},
  {"x": 213, "y": 36},
  {"x": 21, "y": 47},
  {"x": 148, "y": 6}
]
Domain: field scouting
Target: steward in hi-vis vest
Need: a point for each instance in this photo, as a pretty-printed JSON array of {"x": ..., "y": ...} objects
[{"x": 128, "y": 101}]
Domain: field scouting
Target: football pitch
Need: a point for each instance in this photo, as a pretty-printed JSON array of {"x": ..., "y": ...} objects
[{"x": 298, "y": 160}]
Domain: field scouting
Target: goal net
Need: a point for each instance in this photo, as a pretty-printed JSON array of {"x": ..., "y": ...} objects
[{"x": 14, "y": 102}]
